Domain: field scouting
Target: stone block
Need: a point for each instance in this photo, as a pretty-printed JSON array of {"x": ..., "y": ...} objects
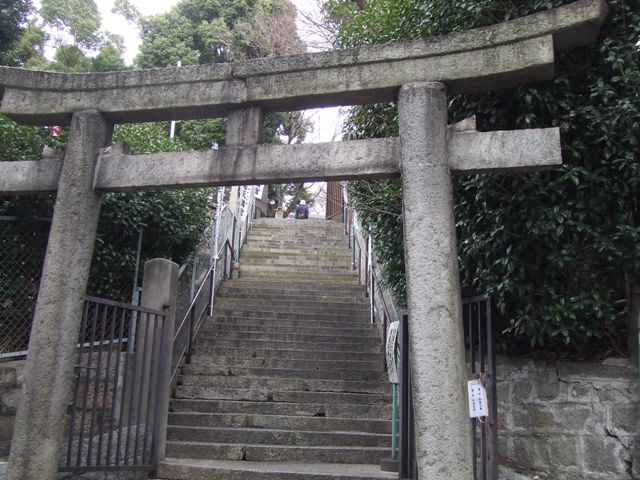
[
  {"x": 521, "y": 390},
  {"x": 531, "y": 452},
  {"x": 9, "y": 402},
  {"x": 563, "y": 452},
  {"x": 615, "y": 392},
  {"x": 8, "y": 378},
  {"x": 635, "y": 457},
  {"x": 503, "y": 419},
  {"x": 562, "y": 418},
  {"x": 6, "y": 432},
  {"x": 623, "y": 419},
  {"x": 503, "y": 391},
  {"x": 543, "y": 418},
  {"x": 605, "y": 455},
  {"x": 521, "y": 418},
  {"x": 577, "y": 392},
  {"x": 549, "y": 387}
]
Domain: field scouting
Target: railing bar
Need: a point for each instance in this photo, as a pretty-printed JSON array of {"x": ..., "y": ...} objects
[
  {"x": 128, "y": 306},
  {"x": 474, "y": 299},
  {"x": 472, "y": 363},
  {"x": 134, "y": 355},
  {"x": 86, "y": 385},
  {"x": 143, "y": 375},
  {"x": 493, "y": 399},
  {"x": 164, "y": 334},
  {"x": 153, "y": 382},
  {"x": 191, "y": 305},
  {"x": 83, "y": 332},
  {"x": 481, "y": 338},
  {"x": 472, "y": 342},
  {"x": 123, "y": 403},
  {"x": 96, "y": 388},
  {"x": 116, "y": 377},
  {"x": 106, "y": 388}
]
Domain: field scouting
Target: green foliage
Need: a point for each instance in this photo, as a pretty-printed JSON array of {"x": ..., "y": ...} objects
[
  {"x": 13, "y": 14},
  {"x": 172, "y": 222},
  {"x": 109, "y": 58},
  {"x": 553, "y": 249},
  {"x": 79, "y": 19}
]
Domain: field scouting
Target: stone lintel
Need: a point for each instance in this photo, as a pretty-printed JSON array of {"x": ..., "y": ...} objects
[
  {"x": 30, "y": 177},
  {"x": 468, "y": 152},
  {"x": 497, "y": 56},
  {"x": 506, "y": 151},
  {"x": 253, "y": 165}
]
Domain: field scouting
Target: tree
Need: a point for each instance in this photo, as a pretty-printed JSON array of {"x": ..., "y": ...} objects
[
  {"x": 13, "y": 16},
  {"x": 555, "y": 249},
  {"x": 173, "y": 222},
  {"x": 199, "y": 32}
]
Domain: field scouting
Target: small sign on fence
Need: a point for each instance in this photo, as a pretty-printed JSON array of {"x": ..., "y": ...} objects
[
  {"x": 478, "y": 404},
  {"x": 392, "y": 352}
]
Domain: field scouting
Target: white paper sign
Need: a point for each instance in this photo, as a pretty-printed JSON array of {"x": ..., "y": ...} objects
[
  {"x": 478, "y": 405},
  {"x": 392, "y": 352}
]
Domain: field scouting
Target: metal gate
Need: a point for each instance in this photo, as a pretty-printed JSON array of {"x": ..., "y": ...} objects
[
  {"x": 114, "y": 415},
  {"x": 481, "y": 361}
]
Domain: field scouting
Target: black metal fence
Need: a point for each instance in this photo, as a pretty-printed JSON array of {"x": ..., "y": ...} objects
[
  {"x": 114, "y": 415},
  {"x": 481, "y": 361},
  {"x": 480, "y": 343}
]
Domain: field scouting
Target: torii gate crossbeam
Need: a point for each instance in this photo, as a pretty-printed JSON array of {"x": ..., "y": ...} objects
[{"x": 416, "y": 74}]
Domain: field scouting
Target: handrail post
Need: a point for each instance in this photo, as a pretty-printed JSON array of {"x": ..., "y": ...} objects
[
  {"x": 190, "y": 337},
  {"x": 159, "y": 291}
]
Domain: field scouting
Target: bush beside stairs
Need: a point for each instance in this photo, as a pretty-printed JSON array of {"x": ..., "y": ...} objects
[{"x": 287, "y": 380}]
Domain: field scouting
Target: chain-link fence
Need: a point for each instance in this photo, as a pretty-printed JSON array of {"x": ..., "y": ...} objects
[{"x": 22, "y": 247}]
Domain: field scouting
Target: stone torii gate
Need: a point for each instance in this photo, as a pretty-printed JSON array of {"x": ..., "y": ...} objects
[{"x": 416, "y": 74}]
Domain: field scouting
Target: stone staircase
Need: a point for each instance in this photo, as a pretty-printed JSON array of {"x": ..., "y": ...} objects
[{"x": 287, "y": 380}]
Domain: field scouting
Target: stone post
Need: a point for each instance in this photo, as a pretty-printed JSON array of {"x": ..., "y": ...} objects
[
  {"x": 443, "y": 434},
  {"x": 160, "y": 290},
  {"x": 54, "y": 335},
  {"x": 245, "y": 126}
]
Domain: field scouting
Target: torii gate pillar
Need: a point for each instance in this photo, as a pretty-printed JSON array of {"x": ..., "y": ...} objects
[
  {"x": 438, "y": 374},
  {"x": 54, "y": 335}
]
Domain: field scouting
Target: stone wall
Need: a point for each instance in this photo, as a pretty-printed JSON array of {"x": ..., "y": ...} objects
[
  {"x": 569, "y": 421},
  {"x": 10, "y": 383}
]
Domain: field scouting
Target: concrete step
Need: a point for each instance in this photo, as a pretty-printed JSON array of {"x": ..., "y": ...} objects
[
  {"x": 286, "y": 384},
  {"x": 292, "y": 269},
  {"x": 279, "y": 422},
  {"x": 329, "y": 325},
  {"x": 309, "y": 315},
  {"x": 293, "y": 282},
  {"x": 214, "y": 354},
  {"x": 279, "y": 453},
  {"x": 192, "y": 469},
  {"x": 285, "y": 336},
  {"x": 233, "y": 361},
  {"x": 300, "y": 305},
  {"x": 266, "y": 395},
  {"x": 254, "y": 250},
  {"x": 202, "y": 344},
  {"x": 276, "y": 437},
  {"x": 213, "y": 369},
  {"x": 381, "y": 412},
  {"x": 292, "y": 264},
  {"x": 311, "y": 329},
  {"x": 295, "y": 294}
]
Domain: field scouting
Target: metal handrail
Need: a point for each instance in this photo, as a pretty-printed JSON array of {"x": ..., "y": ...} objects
[
  {"x": 192, "y": 319},
  {"x": 193, "y": 323}
]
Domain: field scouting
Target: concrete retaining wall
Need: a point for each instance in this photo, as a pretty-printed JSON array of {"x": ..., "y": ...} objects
[{"x": 566, "y": 421}]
